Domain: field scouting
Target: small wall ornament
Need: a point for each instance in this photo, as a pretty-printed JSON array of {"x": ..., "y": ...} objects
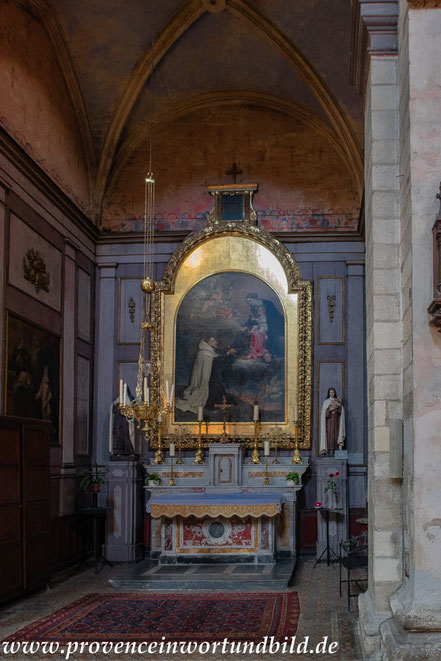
[
  {"x": 132, "y": 309},
  {"x": 331, "y": 307},
  {"x": 34, "y": 269}
]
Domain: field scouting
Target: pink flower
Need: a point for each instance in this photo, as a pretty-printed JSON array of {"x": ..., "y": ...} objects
[
  {"x": 331, "y": 474},
  {"x": 337, "y": 473},
  {"x": 317, "y": 504}
]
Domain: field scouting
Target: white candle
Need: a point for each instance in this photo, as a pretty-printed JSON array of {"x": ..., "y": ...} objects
[
  {"x": 120, "y": 391},
  {"x": 145, "y": 388},
  {"x": 266, "y": 448},
  {"x": 172, "y": 394},
  {"x": 172, "y": 449},
  {"x": 296, "y": 414},
  {"x": 200, "y": 413},
  {"x": 167, "y": 393},
  {"x": 256, "y": 412},
  {"x": 147, "y": 396},
  {"x": 125, "y": 394},
  {"x": 159, "y": 417}
]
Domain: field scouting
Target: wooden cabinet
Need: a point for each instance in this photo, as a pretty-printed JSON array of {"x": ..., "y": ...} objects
[{"x": 24, "y": 505}]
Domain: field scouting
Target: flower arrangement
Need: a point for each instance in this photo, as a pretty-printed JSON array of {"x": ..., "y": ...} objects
[
  {"x": 293, "y": 477},
  {"x": 332, "y": 484},
  {"x": 152, "y": 477},
  {"x": 92, "y": 479}
]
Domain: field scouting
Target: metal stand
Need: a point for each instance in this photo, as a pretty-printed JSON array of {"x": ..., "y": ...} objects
[
  {"x": 328, "y": 549},
  {"x": 95, "y": 514}
]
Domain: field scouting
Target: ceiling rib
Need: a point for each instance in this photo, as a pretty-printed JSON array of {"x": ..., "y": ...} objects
[
  {"x": 41, "y": 10},
  {"x": 190, "y": 13}
]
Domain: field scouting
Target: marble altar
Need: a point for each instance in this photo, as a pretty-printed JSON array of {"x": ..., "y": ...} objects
[{"x": 221, "y": 511}]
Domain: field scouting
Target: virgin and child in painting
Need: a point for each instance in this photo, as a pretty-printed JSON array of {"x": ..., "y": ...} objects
[{"x": 230, "y": 341}]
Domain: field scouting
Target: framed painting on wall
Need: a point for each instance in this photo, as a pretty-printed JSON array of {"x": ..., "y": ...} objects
[{"x": 33, "y": 373}]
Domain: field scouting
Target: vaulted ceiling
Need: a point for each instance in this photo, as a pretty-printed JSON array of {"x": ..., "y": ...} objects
[{"x": 288, "y": 57}]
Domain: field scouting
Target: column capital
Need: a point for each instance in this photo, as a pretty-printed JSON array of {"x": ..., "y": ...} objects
[{"x": 374, "y": 32}]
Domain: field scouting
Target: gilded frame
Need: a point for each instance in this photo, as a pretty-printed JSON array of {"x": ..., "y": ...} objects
[{"x": 218, "y": 249}]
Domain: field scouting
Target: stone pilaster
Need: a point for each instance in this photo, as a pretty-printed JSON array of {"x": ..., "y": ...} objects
[
  {"x": 68, "y": 472},
  {"x": 414, "y": 632},
  {"x": 105, "y": 386},
  {"x": 384, "y": 326}
]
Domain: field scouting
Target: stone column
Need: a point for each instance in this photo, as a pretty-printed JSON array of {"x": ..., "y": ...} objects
[
  {"x": 67, "y": 472},
  {"x": 415, "y": 630},
  {"x": 105, "y": 387},
  {"x": 383, "y": 311}
]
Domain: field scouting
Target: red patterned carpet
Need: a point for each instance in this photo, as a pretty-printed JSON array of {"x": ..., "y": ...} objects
[{"x": 198, "y": 617}]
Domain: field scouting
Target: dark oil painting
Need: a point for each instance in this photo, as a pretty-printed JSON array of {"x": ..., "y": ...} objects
[
  {"x": 33, "y": 374},
  {"x": 230, "y": 342}
]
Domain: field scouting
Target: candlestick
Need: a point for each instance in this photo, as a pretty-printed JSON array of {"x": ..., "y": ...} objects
[
  {"x": 159, "y": 455},
  {"x": 171, "y": 482},
  {"x": 266, "y": 479},
  {"x": 199, "y": 456},
  {"x": 255, "y": 458},
  {"x": 296, "y": 458}
]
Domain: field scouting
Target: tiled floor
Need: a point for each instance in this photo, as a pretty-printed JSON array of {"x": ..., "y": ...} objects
[{"x": 322, "y": 611}]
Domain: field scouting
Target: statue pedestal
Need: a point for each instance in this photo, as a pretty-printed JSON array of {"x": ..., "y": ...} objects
[
  {"x": 125, "y": 502},
  {"x": 337, "y": 504}
]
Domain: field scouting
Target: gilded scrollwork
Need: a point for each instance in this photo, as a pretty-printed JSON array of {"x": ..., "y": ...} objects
[{"x": 34, "y": 270}]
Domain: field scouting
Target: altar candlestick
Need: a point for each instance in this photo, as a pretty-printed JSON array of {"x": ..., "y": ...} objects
[
  {"x": 296, "y": 414},
  {"x": 200, "y": 413},
  {"x": 266, "y": 450},
  {"x": 256, "y": 412},
  {"x": 172, "y": 449}
]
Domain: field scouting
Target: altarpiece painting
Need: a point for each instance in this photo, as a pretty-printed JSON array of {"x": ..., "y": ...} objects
[
  {"x": 233, "y": 323},
  {"x": 230, "y": 342}
]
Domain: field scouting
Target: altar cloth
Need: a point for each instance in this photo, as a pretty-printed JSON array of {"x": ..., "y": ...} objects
[{"x": 213, "y": 505}]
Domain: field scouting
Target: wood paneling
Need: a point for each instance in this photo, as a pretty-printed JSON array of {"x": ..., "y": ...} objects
[{"x": 24, "y": 505}]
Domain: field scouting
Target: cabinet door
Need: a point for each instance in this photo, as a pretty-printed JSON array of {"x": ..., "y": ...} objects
[
  {"x": 35, "y": 504},
  {"x": 11, "y": 530}
]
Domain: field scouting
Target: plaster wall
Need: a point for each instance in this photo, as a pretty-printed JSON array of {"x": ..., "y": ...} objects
[
  {"x": 35, "y": 105},
  {"x": 304, "y": 182}
]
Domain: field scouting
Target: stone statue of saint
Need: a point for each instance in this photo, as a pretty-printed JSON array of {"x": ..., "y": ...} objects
[{"x": 332, "y": 424}]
